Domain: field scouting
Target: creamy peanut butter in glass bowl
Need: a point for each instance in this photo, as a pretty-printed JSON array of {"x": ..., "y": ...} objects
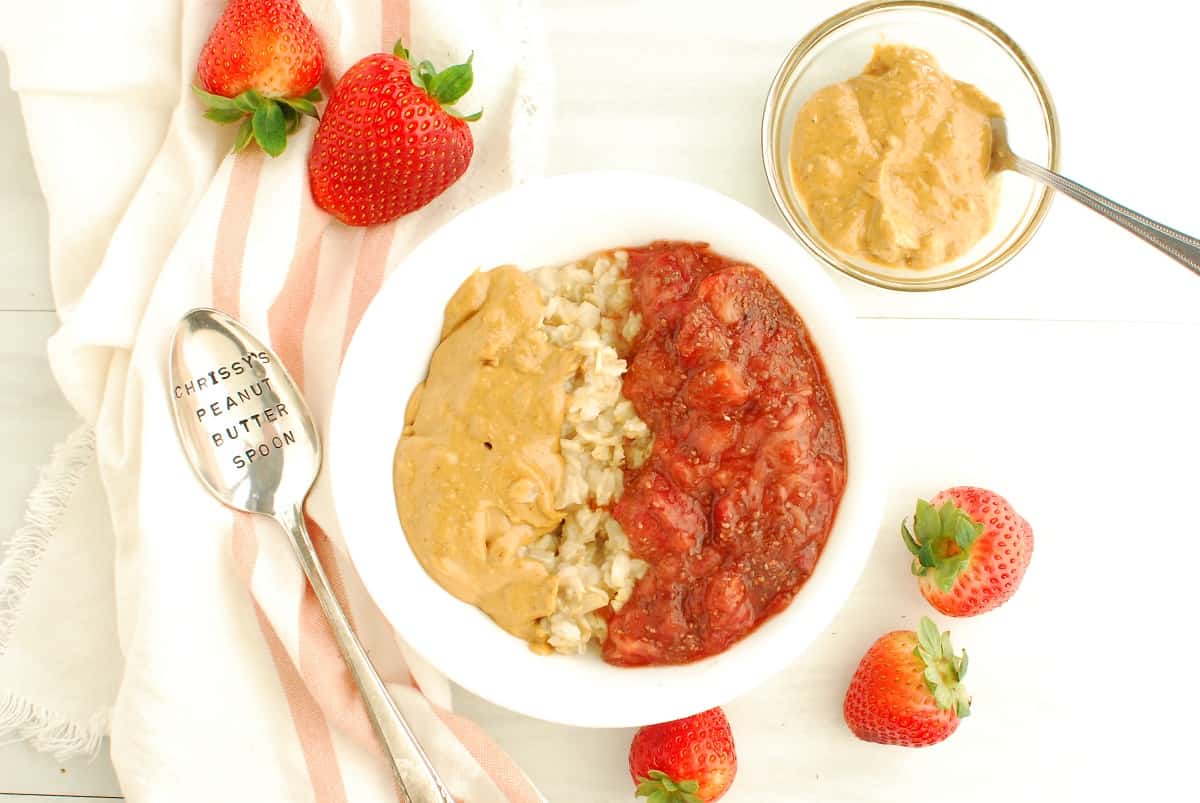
[{"x": 969, "y": 49}]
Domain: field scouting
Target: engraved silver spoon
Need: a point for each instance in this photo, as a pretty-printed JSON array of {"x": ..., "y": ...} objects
[
  {"x": 1175, "y": 244},
  {"x": 250, "y": 437}
]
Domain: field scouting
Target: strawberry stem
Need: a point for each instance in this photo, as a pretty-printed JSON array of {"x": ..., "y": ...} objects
[
  {"x": 447, "y": 86},
  {"x": 661, "y": 788},
  {"x": 940, "y": 541},
  {"x": 944, "y": 670},
  {"x": 268, "y": 121}
]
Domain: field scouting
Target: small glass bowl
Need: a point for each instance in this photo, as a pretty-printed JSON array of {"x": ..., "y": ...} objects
[{"x": 968, "y": 48}]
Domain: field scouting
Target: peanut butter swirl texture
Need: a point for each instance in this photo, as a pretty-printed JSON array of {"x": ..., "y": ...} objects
[
  {"x": 893, "y": 166},
  {"x": 479, "y": 466}
]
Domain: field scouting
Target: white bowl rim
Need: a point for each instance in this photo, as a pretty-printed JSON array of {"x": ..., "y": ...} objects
[{"x": 584, "y": 691}]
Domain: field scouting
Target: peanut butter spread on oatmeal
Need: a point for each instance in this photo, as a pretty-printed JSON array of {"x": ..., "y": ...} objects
[
  {"x": 893, "y": 166},
  {"x": 478, "y": 467}
]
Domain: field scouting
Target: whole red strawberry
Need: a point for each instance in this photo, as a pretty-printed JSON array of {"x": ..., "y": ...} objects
[
  {"x": 261, "y": 65},
  {"x": 390, "y": 141},
  {"x": 907, "y": 689},
  {"x": 971, "y": 550},
  {"x": 689, "y": 760}
]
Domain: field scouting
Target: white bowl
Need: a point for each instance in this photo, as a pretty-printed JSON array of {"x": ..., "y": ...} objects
[{"x": 550, "y": 222}]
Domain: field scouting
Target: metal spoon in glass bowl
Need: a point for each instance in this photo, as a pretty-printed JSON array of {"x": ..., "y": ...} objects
[
  {"x": 1175, "y": 244},
  {"x": 262, "y": 456}
]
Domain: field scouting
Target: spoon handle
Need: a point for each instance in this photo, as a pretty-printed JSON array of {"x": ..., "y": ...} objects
[
  {"x": 1175, "y": 244},
  {"x": 414, "y": 773}
]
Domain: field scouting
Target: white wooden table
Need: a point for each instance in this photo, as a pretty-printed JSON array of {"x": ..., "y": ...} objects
[{"x": 1076, "y": 396}]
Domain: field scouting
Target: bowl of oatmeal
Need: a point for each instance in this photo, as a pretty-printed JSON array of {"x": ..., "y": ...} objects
[{"x": 601, "y": 449}]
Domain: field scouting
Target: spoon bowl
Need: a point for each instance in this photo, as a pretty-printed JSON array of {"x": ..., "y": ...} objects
[{"x": 242, "y": 422}]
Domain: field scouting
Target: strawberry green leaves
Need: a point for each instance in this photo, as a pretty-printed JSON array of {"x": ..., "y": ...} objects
[
  {"x": 270, "y": 128},
  {"x": 449, "y": 85},
  {"x": 224, "y": 116},
  {"x": 265, "y": 120},
  {"x": 244, "y": 135},
  {"x": 660, "y": 788},
  {"x": 301, "y": 105},
  {"x": 944, "y": 670},
  {"x": 470, "y": 118},
  {"x": 248, "y": 101},
  {"x": 446, "y": 87},
  {"x": 940, "y": 541}
]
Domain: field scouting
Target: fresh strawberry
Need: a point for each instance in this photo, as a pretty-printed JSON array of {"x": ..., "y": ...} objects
[
  {"x": 907, "y": 689},
  {"x": 689, "y": 760},
  {"x": 261, "y": 65},
  {"x": 390, "y": 141},
  {"x": 971, "y": 550}
]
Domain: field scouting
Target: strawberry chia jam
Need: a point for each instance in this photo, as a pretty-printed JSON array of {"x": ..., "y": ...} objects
[{"x": 737, "y": 499}]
